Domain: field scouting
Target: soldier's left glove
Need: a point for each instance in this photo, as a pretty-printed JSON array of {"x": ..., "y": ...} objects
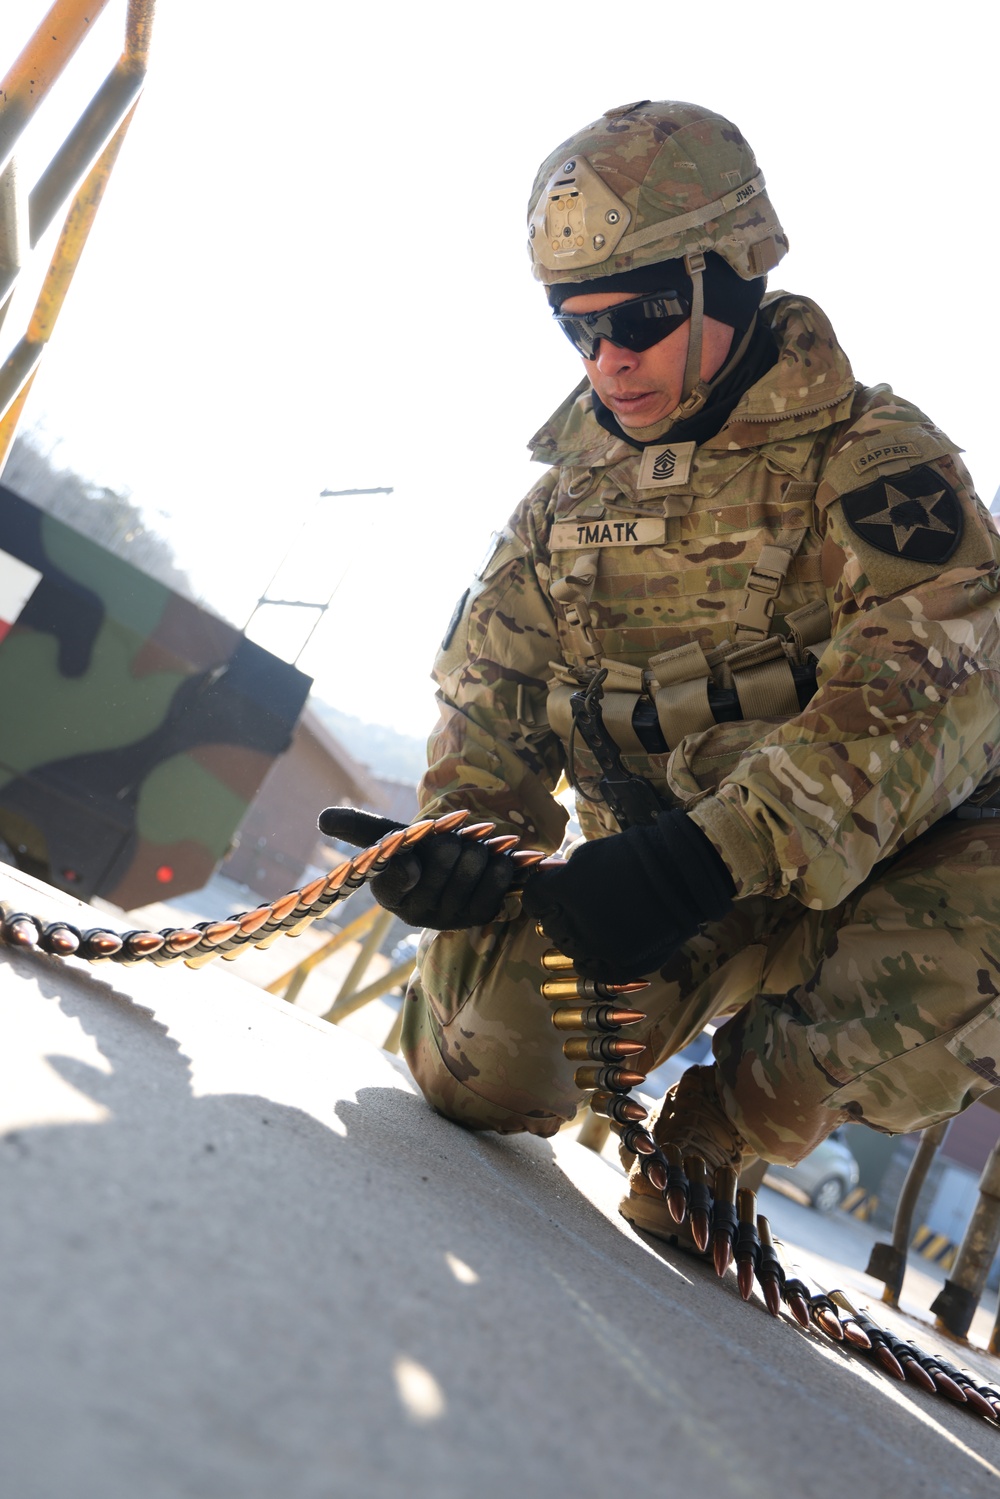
[{"x": 622, "y": 906}]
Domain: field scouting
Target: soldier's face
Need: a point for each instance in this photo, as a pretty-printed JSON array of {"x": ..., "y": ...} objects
[{"x": 643, "y": 388}]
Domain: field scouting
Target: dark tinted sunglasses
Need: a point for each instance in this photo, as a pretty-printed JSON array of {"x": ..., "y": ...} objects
[{"x": 634, "y": 325}]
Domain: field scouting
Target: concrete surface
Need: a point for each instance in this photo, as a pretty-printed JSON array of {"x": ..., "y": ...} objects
[{"x": 239, "y": 1257}]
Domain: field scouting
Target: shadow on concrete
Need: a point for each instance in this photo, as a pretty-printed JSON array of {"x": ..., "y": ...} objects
[{"x": 217, "y": 1294}]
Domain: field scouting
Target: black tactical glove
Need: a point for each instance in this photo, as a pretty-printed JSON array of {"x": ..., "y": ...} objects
[
  {"x": 445, "y": 881},
  {"x": 623, "y": 905}
]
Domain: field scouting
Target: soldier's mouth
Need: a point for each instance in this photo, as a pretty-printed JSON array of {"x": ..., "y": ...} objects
[{"x": 632, "y": 402}]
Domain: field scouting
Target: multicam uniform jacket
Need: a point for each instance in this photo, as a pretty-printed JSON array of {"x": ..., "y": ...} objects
[{"x": 877, "y": 515}]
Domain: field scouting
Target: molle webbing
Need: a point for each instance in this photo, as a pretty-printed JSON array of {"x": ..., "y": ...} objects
[
  {"x": 682, "y": 677},
  {"x": 767, "y": 575},
  {"x": 572, "y": 594},
  {"x": 762, "y": 675},
  {"x": 683, "y": 681}
]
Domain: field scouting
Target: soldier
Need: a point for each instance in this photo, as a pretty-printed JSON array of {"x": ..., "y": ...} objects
[{"x": 792, "y": 588}]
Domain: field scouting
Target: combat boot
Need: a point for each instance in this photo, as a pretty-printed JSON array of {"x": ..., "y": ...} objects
[{"x": 693, "y": 1119}]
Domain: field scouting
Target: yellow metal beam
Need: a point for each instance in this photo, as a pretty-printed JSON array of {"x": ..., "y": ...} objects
[
  {"x": 350, "y": 933},
  {"x": 22, "y": 362},
  {"x": 375, "y": 990},
  {"x": 41, "y": 61},
  {"x": 89, "y": 153}
]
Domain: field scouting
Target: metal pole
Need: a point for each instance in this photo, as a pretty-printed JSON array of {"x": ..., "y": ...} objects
[
  {"x": 401, "y": 974},
  {"x": 43, "y": 58},
  {"x": 392, "y": 1040},
  {"x": 955, "y": 1305},
  {"x": 289, "y": 984},
  {"x": 888, "y": 1261},
  {"x": 369, "y": 947}
]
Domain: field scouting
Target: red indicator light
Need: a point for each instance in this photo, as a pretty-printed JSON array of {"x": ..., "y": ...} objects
[{"x": 164, "y": 874}]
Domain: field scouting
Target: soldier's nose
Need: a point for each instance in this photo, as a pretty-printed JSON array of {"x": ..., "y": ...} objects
[{"x": 613, "y": 360}]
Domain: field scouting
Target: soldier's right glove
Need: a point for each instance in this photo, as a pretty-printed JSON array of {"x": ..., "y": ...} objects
[{"x": 445, "y": 882}]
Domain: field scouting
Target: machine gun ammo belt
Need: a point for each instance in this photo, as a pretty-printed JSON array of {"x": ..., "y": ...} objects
[{"x": 721, "y": 1215}]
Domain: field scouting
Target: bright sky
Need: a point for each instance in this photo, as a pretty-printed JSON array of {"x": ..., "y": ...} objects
[{"x": 309, "y": 270}]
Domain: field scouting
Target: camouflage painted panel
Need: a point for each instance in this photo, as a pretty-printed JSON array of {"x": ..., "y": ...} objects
[{"x": 139, "y": 727}]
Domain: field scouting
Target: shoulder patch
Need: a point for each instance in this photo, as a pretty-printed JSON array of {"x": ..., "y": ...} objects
[
  {"x": 914, "y": 515},
  {"x": 455, "y": 620}
]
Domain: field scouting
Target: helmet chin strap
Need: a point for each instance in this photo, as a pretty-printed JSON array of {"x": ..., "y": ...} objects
[{"x": 694, "y": 391}]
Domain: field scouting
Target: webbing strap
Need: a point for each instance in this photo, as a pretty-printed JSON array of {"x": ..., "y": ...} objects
[
  {"x": 811, "y": 628},
  {"x": 573, "y": 594},
  {"x": 683, "y": 709},
  {"x": 621, "y": 677},
  {"x": 810, "y": 625},
  {"x": 681, "y": 698},
  {"x": 695, "y": 267},
  {"x": 616, "y": 710},
  {"x": 671, "y": 227},
  {"x": 558, "y": 710},
  {"x": 622, "y": 687},
  {"x": 756, "y": 615},
  {"x": 762, "y": 675}
]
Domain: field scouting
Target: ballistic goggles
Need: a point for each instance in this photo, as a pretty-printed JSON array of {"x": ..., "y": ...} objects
[{"x": 634, "y": 325}]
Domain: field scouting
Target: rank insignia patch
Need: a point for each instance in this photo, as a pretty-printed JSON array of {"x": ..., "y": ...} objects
[{"x": 915, "y": 516}]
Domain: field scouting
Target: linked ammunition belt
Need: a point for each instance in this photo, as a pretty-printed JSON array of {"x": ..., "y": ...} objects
[
  {"x": 720, "y": 1216},
  {"x": 288, "y": 916}
]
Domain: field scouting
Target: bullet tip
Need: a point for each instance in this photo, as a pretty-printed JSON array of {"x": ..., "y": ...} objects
[
  {"x": 830, "y": 1323},
  {"x": 919, "y": 1375},
  {"x": 891, "y": 1364},
  {"x": 677, "y": 1204},
  {"x": 799, "y": 1310},
  {"x": 655, "y": 1173},
  {"x": 980, "y": 1403},
  {"x": 722, "y": 1254},
  {"x": 947, "y": 1386}
]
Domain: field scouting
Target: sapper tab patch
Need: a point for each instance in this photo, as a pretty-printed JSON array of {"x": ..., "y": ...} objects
[
  {"x": 647, "y": 531},
  {"x": 916, "y": 516},
  {"x": 665, "y": 463}
]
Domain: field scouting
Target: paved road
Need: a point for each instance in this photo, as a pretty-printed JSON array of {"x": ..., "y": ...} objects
[{"x": 239, "y": 1257}]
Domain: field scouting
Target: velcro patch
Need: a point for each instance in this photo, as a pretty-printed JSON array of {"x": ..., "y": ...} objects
[
  {"x": 915, "y": 515},
  {"x": 567, "y": 534},
  {"x": 665, "y": 463},
  {"x": 877, "y": 453},
  {"x": 453, "y": 623}
]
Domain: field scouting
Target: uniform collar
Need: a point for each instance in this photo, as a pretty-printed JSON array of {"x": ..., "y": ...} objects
[{"x": 803, "y": 392}]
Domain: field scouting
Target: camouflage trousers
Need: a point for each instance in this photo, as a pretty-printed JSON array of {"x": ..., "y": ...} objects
[{"x": 884, "y": 1010}]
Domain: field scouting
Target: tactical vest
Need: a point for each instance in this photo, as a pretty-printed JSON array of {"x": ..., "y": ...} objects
[{"x": 718, "y": 591}]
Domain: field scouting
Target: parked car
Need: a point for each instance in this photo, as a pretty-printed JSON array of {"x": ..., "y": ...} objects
[
  {"x": 695, "y": 1054},
  {"x": 824, "y": 1177}
]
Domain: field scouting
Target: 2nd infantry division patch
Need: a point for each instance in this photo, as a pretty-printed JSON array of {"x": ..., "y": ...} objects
[{"x": 916, "y": 516}]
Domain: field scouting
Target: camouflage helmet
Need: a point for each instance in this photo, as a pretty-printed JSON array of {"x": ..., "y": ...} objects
[{"x": 650, "y": 182}]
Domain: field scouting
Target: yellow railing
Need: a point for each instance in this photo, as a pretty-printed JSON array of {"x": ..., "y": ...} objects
[
  {"x": 77, "y": 174},
  {"x": 370, "y": 928}
]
